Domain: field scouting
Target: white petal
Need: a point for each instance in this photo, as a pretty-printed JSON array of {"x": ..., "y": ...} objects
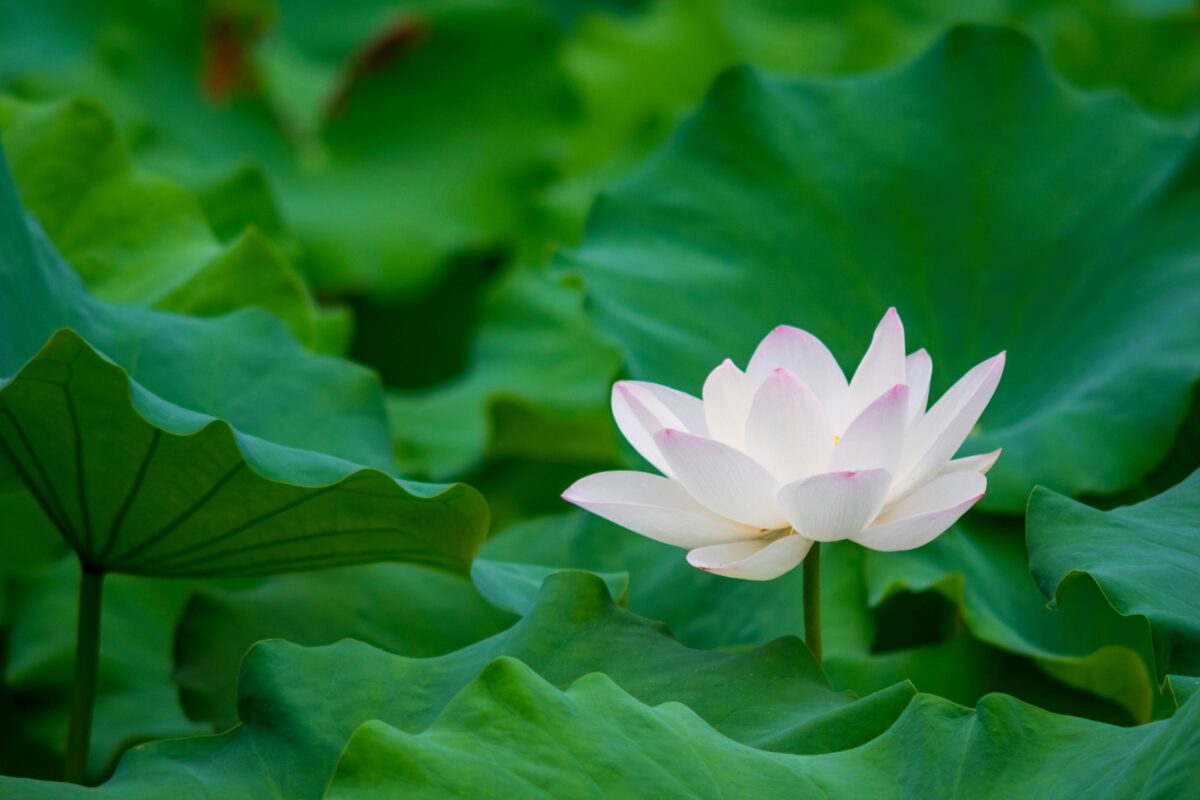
[
  {"x": 939, "y": 434},
  {"x": 787, "y": 431},
  {"x": 727, "y": 397},
  {"x": 802, "y": 354},
  {"x": 656, "y": 507},
  {"x": 980, "y": 463},
  {"x": 881, "y": 368},
  {"x": 834, "y": 505},
  {"x": 918, "y": 369},
  {"x": 876, "y": 438},
  {"x": 673, "y": 408},
  {"x": 926, "y": 513},
  {"x": 756, "y": 560},
  {"x": 642, "y": 409},
  {"x": 722, "y": 478}
]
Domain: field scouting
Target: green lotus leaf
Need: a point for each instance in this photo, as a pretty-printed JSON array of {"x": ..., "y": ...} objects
[
  {"x": 981, "y": 566},
  {"x": 961, "y": 189},
  {"x": 301, "y": 705},
  {"x": 1185, "y": 687},
  {"x": 30, "y": 542},
  {"x": 516, "y": 587},
  {"x": 396, "y": 607},
  {"x": 537, "y": 384},
  {"x": 511, "y": 734},
  {"x": 964, "y": 669},
  {"x": 1145, "y": 558},
  {"x": 637, "y": 75},
  {"x": 135, "y": 238},
  {"x": 1101, "y": 666},
  {"x": 371, "y": 131},
  {"x": 168, "y": 445}
]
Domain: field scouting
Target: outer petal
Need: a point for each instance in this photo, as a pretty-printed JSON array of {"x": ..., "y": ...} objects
[
  {"x": 980, "y": 463},
  {"x": 787, "y": 431},
  {"x": 802, "y": 354},
  {"x": 926, "y": 513},
  {"x": 876, "y": 438},
  {"x": 881, "y": 368},
  {"x": 656, "y": 507},
  {"x": 727, "y": 397},
  {"x": 642, "y": 409},
  {"x": 835, "y": 505},
  {"x": 918, "y": 369},
  {"x": 724, "y": 479},
  {"x": 756, "y": 560},
  {"x": 942, "y": 430}
]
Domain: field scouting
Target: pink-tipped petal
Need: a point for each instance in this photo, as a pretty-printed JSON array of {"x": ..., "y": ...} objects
[
  {"x": 727, "y": 397},
  {"x": 638, "y": 425},
  {"x": 834, "y": 505},
  {"x": 926, "y": 513},
  {"x": 980, "y": 463},
  {"x": 756, "y": 560},
  {"x": 787, "y": 431},
  {"x": 724, "y": 479},
  {"x": 655, "y": 507},
  {"x": 918, "y": 369},
  {"x": 802, "y": 354},
  {"x": 881, "y": 368},
  {"x": 875, "y": 440},
  {"x": 642, "y": 409},
  {"x": 938, "y": 435}
]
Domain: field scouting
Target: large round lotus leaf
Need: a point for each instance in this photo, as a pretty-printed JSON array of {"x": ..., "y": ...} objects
[
  {"x": 399, "y": 608},
  {"x": 160, "y": 444},
  {"x": 996, "y": 208},
  {"x": 300, "y": 706},
  {"x": 999, "y": 636},
  {"x": 510, "y": 731}
]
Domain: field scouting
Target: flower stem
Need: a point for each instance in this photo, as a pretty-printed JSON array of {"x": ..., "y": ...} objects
[
  {"x": 812, "y": 600},
  {"x": 87, "y": 658}
]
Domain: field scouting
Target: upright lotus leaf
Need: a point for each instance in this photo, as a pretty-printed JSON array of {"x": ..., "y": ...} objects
[
  {"x": 637, "y": 75},
  {"x": 1145, "y": 559},
  {"x": 399, "y": 137},
  {"x": 301, "y": 705},
  {"x": 961, "y": 189},
  {"x": 1001, "y": 637},
  {"x": 981, "y": 566},
  {"x": 403, "y": 609},
  {"x": 511, "y": 734},
  {"x": 168, "y": 445}
]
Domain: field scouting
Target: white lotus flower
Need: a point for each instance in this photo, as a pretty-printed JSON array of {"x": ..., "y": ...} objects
[{"x": 788, "y": 453}]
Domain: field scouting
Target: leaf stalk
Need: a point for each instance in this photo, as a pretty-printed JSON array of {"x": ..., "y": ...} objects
[{"x": 87, "y": 661}]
